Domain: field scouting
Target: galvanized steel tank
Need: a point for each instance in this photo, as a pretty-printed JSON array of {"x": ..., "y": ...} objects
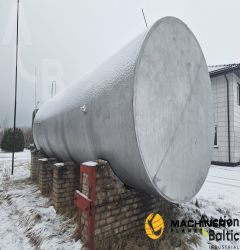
[{"x": 147, "y": 110}]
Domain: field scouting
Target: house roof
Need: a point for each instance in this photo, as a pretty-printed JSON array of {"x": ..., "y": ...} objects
[{"x": 216, "y": 70}]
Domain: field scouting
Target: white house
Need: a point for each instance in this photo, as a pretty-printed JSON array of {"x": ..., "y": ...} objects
[{"x": 226, "y": 100}]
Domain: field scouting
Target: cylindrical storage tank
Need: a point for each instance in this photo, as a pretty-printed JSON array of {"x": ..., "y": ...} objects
[{"x": 147, "y": 110}]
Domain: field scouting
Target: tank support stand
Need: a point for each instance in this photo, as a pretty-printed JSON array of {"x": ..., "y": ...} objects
[{"x": 86, "y": 204}]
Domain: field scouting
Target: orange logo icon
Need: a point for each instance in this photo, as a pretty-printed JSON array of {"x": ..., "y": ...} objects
[{"x": 154, "y": 226}]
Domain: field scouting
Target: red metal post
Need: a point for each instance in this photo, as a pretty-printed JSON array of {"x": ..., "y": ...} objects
[{"x": 87, "y": 204}]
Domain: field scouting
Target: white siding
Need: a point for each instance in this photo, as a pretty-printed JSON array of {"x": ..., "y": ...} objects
[
  {"x": 219, "y": 90},
  {"x": 236, "y": 122}
]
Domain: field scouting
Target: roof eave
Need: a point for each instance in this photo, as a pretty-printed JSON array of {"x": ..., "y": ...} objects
[{"x": 225, "y": 71}]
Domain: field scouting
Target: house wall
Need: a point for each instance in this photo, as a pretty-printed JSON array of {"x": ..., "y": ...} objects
[
  {"x": 236, "y": 120},
  {"x": 219, "y": 91}
]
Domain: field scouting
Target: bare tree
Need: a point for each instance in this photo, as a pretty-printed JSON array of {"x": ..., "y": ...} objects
[
  {"x": 1, "y": 135},
  {"x": 5, "y": 123},
  {"x": 28, "y": 136}
]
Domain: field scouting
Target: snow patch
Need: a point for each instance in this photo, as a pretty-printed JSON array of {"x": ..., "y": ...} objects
[
  {"x": 82, "y": 194},
  {"x": 43, "y": 159},
  {"x": 59, "y": 164},
  {"x": 90, "y": 163}
]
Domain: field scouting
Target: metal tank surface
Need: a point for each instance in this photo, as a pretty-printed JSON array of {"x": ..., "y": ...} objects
[{"x": 147, "y": 110}]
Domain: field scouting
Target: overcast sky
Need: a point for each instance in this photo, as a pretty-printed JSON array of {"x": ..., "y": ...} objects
[{"x": 65, "y": 39}]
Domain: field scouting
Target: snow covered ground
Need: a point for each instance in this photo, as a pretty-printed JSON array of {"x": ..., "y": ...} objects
[
  {"x": 219, "y": 197},
  {"x": 28, "y": 220}
]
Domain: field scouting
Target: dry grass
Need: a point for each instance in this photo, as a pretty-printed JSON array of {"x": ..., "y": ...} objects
[
  {"x": 194, "y": 240},
  {"x": 139, "y": 241},
  {"x": 169, "y": 240}
]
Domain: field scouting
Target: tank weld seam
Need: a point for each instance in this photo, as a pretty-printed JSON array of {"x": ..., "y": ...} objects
[{"x": 178, "y": 123}]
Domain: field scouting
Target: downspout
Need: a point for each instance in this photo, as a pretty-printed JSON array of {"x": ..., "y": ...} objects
[{"x": 228, "y": 120}]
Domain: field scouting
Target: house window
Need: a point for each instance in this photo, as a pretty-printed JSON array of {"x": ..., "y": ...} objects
[
  {"x": 238, "y": 93},
  {"x": 215, "y": 137}
]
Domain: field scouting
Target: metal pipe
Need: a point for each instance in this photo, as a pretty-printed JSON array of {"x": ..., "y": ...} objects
[
  {"x": 228, "y": 120},
  {"x": 144, "y": 18},
  {"x": 15, "y": 100}
]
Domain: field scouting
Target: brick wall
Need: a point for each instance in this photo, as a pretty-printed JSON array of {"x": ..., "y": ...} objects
[
  {"x": 35, "y": 164},
  {"x": 56, "y": 180},
  {"x": 65, "y": 182},
  {"x": 46, "y": 175},
  {"x": 119, "y": 210}
]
